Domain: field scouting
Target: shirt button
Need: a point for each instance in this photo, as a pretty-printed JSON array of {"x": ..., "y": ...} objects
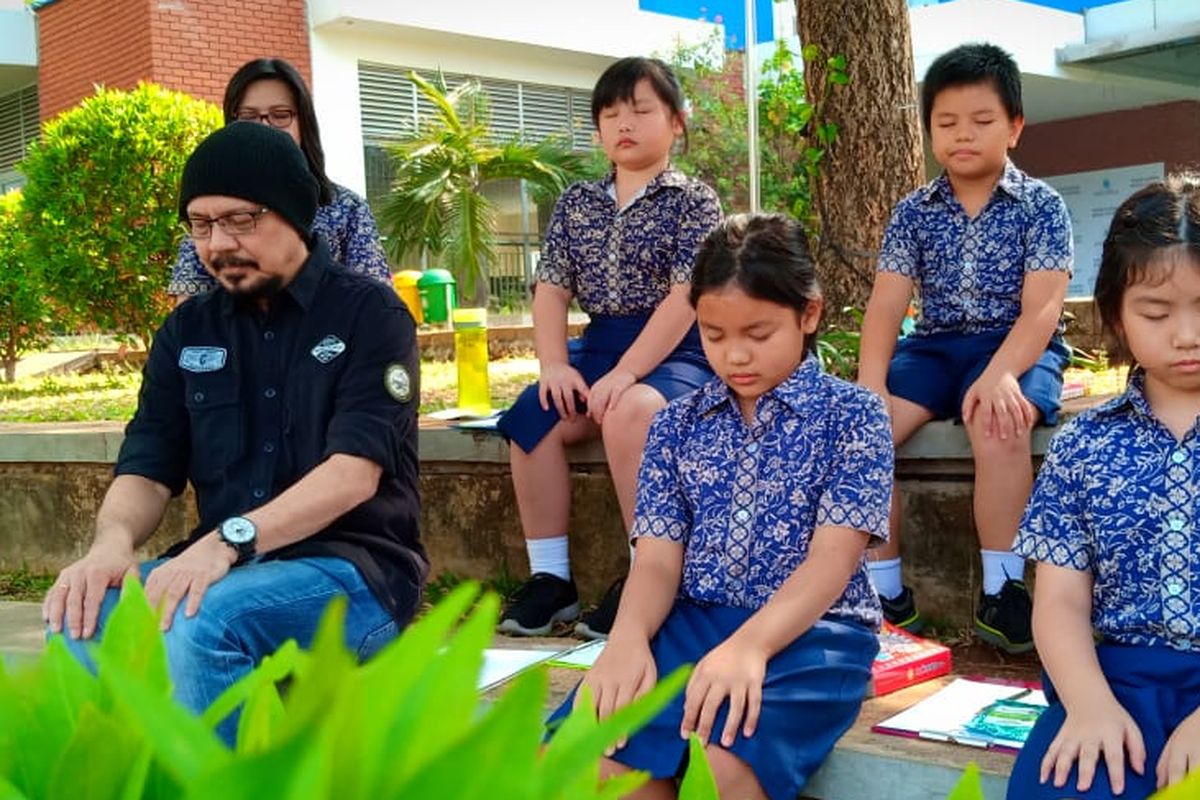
[
  {"x": 198, "y": 397},
  {"x": 1179, "y": 457},
  {"x": 612, "y": 256},
  {"x": 1176, "y": 524},
  {"x": 269, "y": 447},
  {"x": 1175, "y": 587},
  {"x": 269, "y": 393},
  {"x": 742, "y": 515},
  {"x": 259, "y": 494},
  {"x": 752, "y": 448},
  {"x": 269, "y": 336}
]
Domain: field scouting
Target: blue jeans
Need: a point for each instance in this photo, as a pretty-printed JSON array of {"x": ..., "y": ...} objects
[{"x": 247, "y": 615}]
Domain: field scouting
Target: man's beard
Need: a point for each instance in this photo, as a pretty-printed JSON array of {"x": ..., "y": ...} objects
[{"x": 246, "y": 285}]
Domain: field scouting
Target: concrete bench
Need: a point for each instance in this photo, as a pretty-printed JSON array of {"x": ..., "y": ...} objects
[{"x": 52, "y": 478}]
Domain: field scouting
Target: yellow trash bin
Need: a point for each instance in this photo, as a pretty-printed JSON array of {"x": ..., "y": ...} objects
[{"x": 406, "y": 286}]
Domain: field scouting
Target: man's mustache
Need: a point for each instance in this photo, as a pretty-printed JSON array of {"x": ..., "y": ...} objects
[{"x": 221, "y": 262}]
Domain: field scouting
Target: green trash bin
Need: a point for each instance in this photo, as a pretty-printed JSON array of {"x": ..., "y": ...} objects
[{"x": 436, "y": 288}]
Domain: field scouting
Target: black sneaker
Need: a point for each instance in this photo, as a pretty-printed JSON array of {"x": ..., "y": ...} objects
[
  {"x": 543, "y": 600},
  {"x": 1004, "y": 619},
  {"x": 597, "y": 624},
  {"x": 902, "y": 612}
]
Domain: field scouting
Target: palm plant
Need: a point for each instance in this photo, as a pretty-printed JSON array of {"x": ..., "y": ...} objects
[{"x": 436, "y": 207}]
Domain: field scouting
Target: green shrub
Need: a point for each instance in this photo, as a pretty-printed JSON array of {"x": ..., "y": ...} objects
[
  {"x": 410, "y": 723},
  {"x": 24, "y": 311},
  {"x": 100, "y": 194}
]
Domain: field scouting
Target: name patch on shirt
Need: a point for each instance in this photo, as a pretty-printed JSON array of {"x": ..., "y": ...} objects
[
  {"x": 202, "y": 359},
  {"x": 328, "y": 349}
]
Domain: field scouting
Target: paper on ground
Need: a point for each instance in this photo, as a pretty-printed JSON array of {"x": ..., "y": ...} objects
[{"x": 499, "y": 665}]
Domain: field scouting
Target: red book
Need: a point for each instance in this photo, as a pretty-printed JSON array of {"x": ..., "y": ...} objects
[{"x": 904, "y": 660}]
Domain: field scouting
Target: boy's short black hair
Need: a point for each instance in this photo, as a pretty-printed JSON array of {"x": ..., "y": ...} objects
[{"x": 978, "y": 62}]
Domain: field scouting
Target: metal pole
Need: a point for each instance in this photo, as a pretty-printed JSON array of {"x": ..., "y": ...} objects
[{"x": 751, "y": 106}]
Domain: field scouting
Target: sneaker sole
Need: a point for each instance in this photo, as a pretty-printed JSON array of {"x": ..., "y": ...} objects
[
  {"x": 514, "y": 628},
  {"x": 582, "y": 629},
  {"x": 914, "y": 624},
  {"x": 998, "y": 639}
]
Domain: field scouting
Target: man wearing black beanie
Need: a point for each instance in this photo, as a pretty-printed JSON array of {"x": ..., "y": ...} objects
[{"x": 288, "y": 398}]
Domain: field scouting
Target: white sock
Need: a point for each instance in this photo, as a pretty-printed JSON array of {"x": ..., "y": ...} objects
[
  {"x": 549, "y": 555},
  {"x": 886, "y": 577},
  {"x": 1000, "y": 566}
]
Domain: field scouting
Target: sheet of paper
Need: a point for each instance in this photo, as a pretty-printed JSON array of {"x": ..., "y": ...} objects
[
  {"x": 452, "y": 414},
  {"x": 499, "y": 665},
  {"x": 944, "y": 715},
  {"x": 581, "y": 657}
]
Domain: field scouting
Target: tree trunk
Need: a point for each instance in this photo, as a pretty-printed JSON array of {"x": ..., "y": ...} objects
[{"x": 877, "y": 156}]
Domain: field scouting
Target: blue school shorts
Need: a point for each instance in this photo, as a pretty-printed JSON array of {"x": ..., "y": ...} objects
[
  {"x": 812, "y": 693},
  {"x": 604, "y": 341},
  {"x": 935, "y": 372},
  {"x": 1158, "y": 686}
]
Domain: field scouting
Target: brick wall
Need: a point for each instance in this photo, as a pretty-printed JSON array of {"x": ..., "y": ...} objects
[
  {"x": 1165, "y": 133},
  {"x": 188, "y": 45}
]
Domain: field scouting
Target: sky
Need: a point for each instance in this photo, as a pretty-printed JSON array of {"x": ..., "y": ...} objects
[{"x": 732, "y": 13}]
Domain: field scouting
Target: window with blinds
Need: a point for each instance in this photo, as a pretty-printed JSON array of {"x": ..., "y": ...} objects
[
  {"x": 392, "y": 106},
  {"x": 18, "y": 124}
]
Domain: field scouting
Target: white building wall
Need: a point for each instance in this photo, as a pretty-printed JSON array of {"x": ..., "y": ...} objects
[{"x": 553, "y": 42}]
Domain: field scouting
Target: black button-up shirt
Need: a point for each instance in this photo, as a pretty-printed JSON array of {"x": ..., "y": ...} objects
[{"x": 244, "y": 404}]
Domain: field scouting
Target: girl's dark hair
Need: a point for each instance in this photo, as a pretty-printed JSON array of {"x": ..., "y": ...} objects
[
  {"x": 966, "y": 64},
  {"x": 618, "y": 82},
  {"x": 764, "y": 255},
  {"x": 310, "y": 133},
  {"x": 1162, "y": 215}
]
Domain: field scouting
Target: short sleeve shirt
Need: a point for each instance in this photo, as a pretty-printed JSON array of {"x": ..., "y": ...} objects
[
  {"x": 243, "y": 405},
  {"x": 744, "y": 500},
  {"x": 1117, "y": 497},
  {"x": 346, "y": 225},
  {"x": 970, "y": 272},
  {"x": 624, "y": 261}
]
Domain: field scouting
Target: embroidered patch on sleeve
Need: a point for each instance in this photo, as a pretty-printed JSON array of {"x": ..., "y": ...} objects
[
  {"x": 202, "y": 359},
  {"x": 398, "y": 383},
  {"x": 328, "y": 349}
]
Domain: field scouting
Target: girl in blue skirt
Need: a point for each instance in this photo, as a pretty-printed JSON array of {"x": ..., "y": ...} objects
[
  {"x": 623, "y": 247},
  {"x": 1113, "y": 525},
  {"x": 757, "y": 498}
]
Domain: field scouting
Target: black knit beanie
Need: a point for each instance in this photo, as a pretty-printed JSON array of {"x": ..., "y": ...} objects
[{"x": 256, "y": 163}]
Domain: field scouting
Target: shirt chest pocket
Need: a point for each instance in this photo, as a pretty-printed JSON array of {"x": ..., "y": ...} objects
[{"x": 216, "y": 418}]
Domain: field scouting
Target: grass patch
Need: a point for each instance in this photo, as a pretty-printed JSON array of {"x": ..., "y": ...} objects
[
  {"x": 110, "y": 394},
  {"x": 24, "y": 585}
]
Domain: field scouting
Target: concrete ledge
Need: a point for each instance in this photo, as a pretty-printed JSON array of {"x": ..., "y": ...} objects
[{"x": 99, "y": 443}]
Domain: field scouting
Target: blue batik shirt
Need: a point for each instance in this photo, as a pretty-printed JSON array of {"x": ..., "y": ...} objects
[
  {"x": 1117, "y": 496},
  {"x": 969, "y": 272},
  {"x": 346, "y": 225},
  {"x": 744, "y": 500},
  {"x": 624, "y": 261}
]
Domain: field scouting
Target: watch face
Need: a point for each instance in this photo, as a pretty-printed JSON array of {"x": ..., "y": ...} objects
[{"x": 238, "y": 530}]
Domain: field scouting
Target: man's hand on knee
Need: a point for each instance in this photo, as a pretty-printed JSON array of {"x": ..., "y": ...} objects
[
  {"x": 189, "y": 575},
  {"x": 76, "y": 595}
]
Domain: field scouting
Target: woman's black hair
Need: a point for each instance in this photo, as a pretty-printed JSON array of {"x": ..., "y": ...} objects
[
  {"x": 764, "y": 255},
  {"x": 1163, "y": 215},
  {"x": 310, "y": 133},
  {"x": 619, "y": 81}
]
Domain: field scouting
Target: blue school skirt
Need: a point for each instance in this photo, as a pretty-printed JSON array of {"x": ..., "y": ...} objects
[
  {"x": 812, "y": 694},
  {"x": 1158, "y": 686},
  {"x": 604, "y": 341}
]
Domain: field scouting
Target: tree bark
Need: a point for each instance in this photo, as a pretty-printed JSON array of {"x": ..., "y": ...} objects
[{"x": 877, "y": 155}]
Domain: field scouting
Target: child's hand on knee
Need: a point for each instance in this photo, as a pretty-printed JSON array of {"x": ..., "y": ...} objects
[
  {"x": 1101, "y": 730},
  {"x": 1182, "y": 753},
  {"x": 607, "y": 391},
  {"x": 558, "y": 386},
  {"x": 1000, "y": 405},
  {"x": 623, "y": 672},
  {"x": 727, "y": 672}
]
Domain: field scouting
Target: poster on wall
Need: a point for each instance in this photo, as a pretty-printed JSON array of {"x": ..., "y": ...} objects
[{"x": 1091, "y": 198}]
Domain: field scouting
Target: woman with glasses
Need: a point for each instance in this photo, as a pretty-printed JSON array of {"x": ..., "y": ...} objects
[{"x": 270, "y": 91}]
